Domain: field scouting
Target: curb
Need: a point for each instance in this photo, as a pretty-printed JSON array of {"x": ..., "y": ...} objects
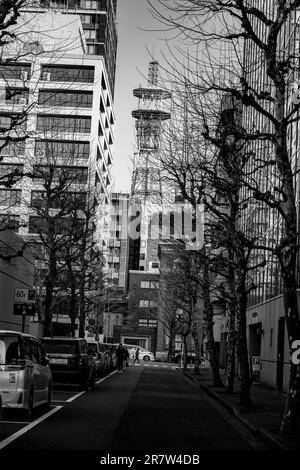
[{"x": 266, "y": 435}]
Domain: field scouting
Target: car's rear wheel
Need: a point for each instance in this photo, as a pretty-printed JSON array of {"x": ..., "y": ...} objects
[{"x": 146, "y": 358}]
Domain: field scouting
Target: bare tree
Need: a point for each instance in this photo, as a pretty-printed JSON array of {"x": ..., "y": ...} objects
[{"x": 270, "y": 117}]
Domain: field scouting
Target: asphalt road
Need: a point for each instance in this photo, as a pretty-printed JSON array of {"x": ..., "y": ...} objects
[{"x": 149, "y": 409}]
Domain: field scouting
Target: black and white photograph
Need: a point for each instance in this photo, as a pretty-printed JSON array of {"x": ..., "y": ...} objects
[{"x": 149, "y": 233}]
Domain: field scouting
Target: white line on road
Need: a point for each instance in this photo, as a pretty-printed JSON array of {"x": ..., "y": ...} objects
[
  {"x": 27, "y": 428},
  {"x": 106, "y": 377},
  {"x": 75, "y": 396}
]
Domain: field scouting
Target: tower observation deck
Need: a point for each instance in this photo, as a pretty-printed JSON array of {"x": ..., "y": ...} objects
[{"x": 151, "y": 113}]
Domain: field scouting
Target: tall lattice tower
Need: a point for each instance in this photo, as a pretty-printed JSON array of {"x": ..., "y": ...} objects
[{"x": 150, "y": 114}]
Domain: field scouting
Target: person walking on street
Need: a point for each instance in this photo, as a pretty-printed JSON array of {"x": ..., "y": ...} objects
[
  {"x": 120, "y": 358},
  {"x": 136, "y": 357},
  {"x": 126, "y": 357}
]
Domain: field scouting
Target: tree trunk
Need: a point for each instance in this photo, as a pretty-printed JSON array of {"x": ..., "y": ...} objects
[
  {"x": 242, "y": 347},
  {"x": 197, "y": 351},
  {"x": 48, "y": 308},
  {"x": 208, "y": 315},
  {"x": 73, "y": 309},
  {"x": 50, "y": 282},
  {"x": 184, "y": 352},
  {"x": 171, "y": 348},
  {"x": 230, "y": 353}
]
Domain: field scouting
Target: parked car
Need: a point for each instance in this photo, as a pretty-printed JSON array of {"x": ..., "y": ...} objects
[
  {"x": 101, "y": 358},
  {"x": 70, "y": 361},
  {"x": 177, "y": 356},
  {"x": 144, "y": 354},
  {"x": 25, "y": 375}
]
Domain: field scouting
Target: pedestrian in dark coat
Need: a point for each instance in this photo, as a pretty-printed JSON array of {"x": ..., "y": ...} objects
[
  {"x": 136, "y": 357},
  {"x": 126, "y": 357},
  {"x": 120, "y": 357}
]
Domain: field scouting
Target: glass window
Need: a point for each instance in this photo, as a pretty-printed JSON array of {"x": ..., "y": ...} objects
[
  {"x": 62, "y": 148},
  {"x": 62, "y": 347},
  {"x": 10, "y": 197},
  {"x": 65, "y": 73},
  {"x": 69, "y": 124},
  {"x": 15, "y": 71},
  {"x": 10, "y": 222},
  {"x": 15, "y": 122},
  {"x": 35, "y": 357},
  {"x": 16, "y": 96},
  {"x": 65, "y": 175},
  {"x": 9, "y": 349},
  {"x": 77, "y": 99},
  {"x": 145, "y": 284},
  {"x": 11, "y": 148},
  {"x": 27, "y": 349}
]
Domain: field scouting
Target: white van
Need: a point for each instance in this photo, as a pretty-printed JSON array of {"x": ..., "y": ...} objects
[{"x": 25, "y": 376}]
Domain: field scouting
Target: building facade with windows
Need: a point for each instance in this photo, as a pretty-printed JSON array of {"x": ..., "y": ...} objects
[
  {"x": 267, "y": 336},
  {"x": 140, "y": 325},
  {"x": 98, "y": 19},
  {"x": 65, "y": 106}
]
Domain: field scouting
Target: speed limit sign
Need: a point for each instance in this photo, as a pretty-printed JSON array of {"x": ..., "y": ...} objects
[{"x": 24, "y": 296}]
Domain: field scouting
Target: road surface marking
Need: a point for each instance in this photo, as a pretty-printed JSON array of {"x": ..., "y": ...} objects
[
  {"x": 27, "y": 428},
  {"x": 106, "y": 377},
  {"x": 75, "y": 396}
]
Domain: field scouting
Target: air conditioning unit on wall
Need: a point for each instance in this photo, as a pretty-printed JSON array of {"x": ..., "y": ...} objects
[
  {"x": 24, "y": 75},
  {"x": 46, "y": 76},
  {"x": 23, "y": 101}
]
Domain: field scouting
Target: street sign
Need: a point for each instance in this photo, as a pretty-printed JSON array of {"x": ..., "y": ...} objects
[
  {"x": 25, "y": 296},
  {"x": 255, "y": 363},
  {"x": 24, "y": 309}
]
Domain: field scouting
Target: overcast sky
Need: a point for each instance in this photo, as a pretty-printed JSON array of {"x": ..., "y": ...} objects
[{"x": 133, "y": 17}]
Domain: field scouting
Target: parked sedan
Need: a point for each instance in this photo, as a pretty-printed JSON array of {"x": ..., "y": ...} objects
[
  {"x": 177, "y": 356},
  {"x": 70, "y": 361},
  {"x": 144, "y": 354}
]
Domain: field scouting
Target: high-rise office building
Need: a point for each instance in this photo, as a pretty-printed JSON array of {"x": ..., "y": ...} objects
[
  {"x": 267, "y": 336},
  {"x": 68, "y": 130},
  {"x": 98, "y": 19}
]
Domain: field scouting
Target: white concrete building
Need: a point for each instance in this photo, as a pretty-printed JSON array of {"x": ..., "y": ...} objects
[{"x": 63, "y": 98}]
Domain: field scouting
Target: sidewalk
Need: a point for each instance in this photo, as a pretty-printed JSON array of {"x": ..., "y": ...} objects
[{"x": 265, "y": 417}]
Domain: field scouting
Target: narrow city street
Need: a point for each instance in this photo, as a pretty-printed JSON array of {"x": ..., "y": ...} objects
[{"x": 152, "y": 409}]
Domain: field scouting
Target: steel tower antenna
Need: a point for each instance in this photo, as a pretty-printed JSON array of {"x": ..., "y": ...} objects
[{"x": 150, "y": 115}]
